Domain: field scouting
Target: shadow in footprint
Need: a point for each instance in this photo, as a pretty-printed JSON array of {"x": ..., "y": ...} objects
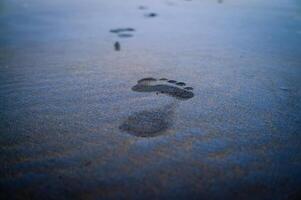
[
  {"x": 149, "y": 123},
  {"x": 151, "y": 15},
  {"x": 170, "y": 87}
]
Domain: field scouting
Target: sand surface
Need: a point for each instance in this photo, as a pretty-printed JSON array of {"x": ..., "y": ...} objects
[{"x": 76, "y": 124}]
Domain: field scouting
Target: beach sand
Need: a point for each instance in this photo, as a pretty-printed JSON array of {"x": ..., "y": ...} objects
[{"x": 216, "y": 116}]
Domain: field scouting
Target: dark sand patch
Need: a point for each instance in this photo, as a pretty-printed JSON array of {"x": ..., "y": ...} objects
[
  {"x": 117, "y": 46},
  {"x": 142, "y": 7},
  {"x": 151, "y": 15},
  {"x": 151, "y": 123}
]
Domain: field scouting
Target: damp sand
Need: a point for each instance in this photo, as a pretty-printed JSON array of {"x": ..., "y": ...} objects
[{"x": 73, "y": 124}]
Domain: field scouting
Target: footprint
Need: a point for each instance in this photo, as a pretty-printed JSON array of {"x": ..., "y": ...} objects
[
  {"x": 151, "y": 15},
  {"x": 120, "y": 30},
  {"x": 117, "y": 46},
  {"x": 142, "y": 7},
  {"x": 170, "y": 87},
  {"x": 122, "y": 33},
  {"x": 149, "y": 123}
]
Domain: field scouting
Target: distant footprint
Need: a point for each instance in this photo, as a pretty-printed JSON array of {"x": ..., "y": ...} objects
[
  {"x": 120, "y": 30},
  {"x": 142, "y": 7},
  {"x": 164, "y": 86},
  {"x": 122, "y": 33},
  {"x": 117, "y": 46},
  {"x": 148, "y": 15},
  {"x": 151, "y": 15}
]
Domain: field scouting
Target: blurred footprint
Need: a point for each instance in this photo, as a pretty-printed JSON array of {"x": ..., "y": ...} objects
[
  {"x": 151, "y": 15},
  {"x": 117, "y": 46},
  {"x": 170, "y": 3},
  {"x": 142, "y": 8},
  {"x": 120, "y": 30},
  {"x": 149, "y": 123},
  {"x": 122, "y": 33}
]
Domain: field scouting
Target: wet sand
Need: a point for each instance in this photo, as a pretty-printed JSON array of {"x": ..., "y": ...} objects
[{"x": 150, "y": 99}]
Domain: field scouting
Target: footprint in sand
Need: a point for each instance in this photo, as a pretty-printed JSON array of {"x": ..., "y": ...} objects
[
  {"x": 122, "y": 30},
  {"x": 142, "y": 7},
  {"x": 121, "y": 33},
  {"x": 151, "y": 15},
  {"x": 117, "y": 46},
  {"x": 151, "y": 123},
  {"x": 164, "y": 86}
]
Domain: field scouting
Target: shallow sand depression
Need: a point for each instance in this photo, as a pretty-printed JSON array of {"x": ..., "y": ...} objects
[{"x": 150, "y": 99}]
